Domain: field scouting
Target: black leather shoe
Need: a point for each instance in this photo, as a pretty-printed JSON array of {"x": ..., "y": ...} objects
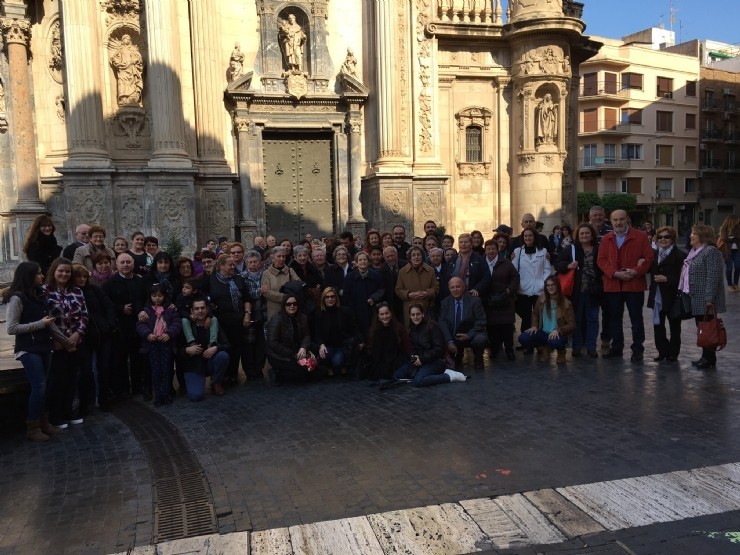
[
  {"x": 660, "y": 358},
  {"x": 637, "y": 357},
  {"x": 696, "y": 363},
  {"x": 510, "y": 355},
  {"x": 612, "y": 354},
  {"x": 593, "y": 354},
  {"x": 706, "y": 365},
  {"x": 670, "y": 359}
]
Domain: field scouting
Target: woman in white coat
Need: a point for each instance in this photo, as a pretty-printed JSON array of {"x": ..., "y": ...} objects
[{"x": 533, "y": 267}]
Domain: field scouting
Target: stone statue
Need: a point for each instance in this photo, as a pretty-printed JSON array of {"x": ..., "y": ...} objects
[
  {"x": 349, "y": 67},
  {"x": 547, "y": 121},
  {"x": 3, "y": 118},
  {"x": 236, "y": 64},
  {"x": 128, "y": 66},
  {"x": 292, "y": 38}
]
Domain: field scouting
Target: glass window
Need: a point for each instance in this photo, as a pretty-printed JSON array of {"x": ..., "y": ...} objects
[
  {"x": 610, "y": 154},
  {"x": 632, "y": 185},
  {"x": 589, "y": 155},
  {"x": 631, "y": 151},
  {"x": 690, "y": 121},
  {"x": 590, "y": 120},
  {"x": 632, "y": 115},
  {"x": 664, "y": 121},
  {"x": 689, "y": 185},
  {"x": 473, "y": 144},
  {"x": 665, "y": 87},
  {"x": 664, "y": 187},
  {"x": 690, "y": 88},
  {"x": 632, "y": 81},
  {"x": 690, "y": 154},
  {"x": 663, "y": 155}
]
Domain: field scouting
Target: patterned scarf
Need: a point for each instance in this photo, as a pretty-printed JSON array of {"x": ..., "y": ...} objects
[
  {"x": 236, "y": 296},
  {"x": 683, "y": 283}
]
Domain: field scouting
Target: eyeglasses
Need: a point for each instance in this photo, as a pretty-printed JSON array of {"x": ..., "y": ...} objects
[
  {"x": 291, "y": 304},
  {"x": 664, "y": 237}
]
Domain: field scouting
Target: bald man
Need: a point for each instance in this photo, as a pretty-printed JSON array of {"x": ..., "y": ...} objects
[
  {"x": 463, "y": 322},
  {"x": 528, "y": 222}
]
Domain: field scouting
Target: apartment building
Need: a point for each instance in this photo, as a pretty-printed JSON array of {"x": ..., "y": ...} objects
[{"x": 639, "y": 129}]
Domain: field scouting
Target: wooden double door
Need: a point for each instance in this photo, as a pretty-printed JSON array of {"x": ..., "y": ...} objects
[{"x": 298, "y": 185}]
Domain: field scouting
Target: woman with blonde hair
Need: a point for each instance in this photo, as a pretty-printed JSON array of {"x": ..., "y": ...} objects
[
  {"x": 335, "y": 332},
  {"x": 729, "y": 246}
]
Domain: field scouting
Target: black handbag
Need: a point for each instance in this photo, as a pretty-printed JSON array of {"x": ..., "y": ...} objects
[
  {"x": 681, "y": 307},
  {"x": 498, "y": 300}
]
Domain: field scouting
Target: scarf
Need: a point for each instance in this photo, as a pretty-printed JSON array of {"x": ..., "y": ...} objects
[
  {"x": 236, "y": 296},
  {"x": 683, "y": 282},
  {"x": 102, "y": 278},
  {"x": 160, "y": 327},
  {"x": 164, "y": 280}
]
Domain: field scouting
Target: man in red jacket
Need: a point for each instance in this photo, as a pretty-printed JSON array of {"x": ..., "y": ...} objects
[{"x": 625, "y": 257}]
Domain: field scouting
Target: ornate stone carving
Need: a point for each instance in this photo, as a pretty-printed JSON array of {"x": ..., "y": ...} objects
[
  {"x": 349, "y": 67},
  {"x": 128, "y": 66},
  {"x": 425, "y": 73},
  {"x": 429, "y": 203},
  {"x": 171, "y": 214},
  {"x": 396, "y": 201},
  {"x": 547, "y": 121},
  {"x": 217, "y": 215},
  {"x": 470, "y": 169},
  {"x": 131, "y": 122},
  {"x": 3, "y": 108},
  {"x": 127, "y": 10},
  {"x": 402, "y": 56},
  {"x": 236, "y": 64},
  {"x": 16, "y": 31},
  {"x": 296, "y": 83},
  {"x": 545, "y": 60},
  {"x": 241, "y": 124},
  {"x": 292, "y": 38},
  {"x": 86, "y": 205},
  {"x": 56, "y": 52},
  {"x": 61, "y": 105},
  {"x": 132, "y": 211}
]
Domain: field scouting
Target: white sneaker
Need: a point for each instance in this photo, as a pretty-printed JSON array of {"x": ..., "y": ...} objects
[
  {"x": 455, "y": 376},
  {"x": 62, "y": 426},
  {"x": 77, "y": 421}
]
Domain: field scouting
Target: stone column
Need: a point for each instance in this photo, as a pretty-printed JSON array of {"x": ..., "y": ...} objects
[
  {"x": 17, "y": 33},
  {"x": 85, "y": 132},
  {"x": 389, "y": 140},
  {"x": 356, "y": 222},
  {"x": 205, "y": 35},
  {"x": 163, "y": 83},
  {"x": 247, "y": 225}
]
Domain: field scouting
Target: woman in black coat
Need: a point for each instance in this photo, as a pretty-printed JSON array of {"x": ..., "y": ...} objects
[
  {"x": 363, "y": 289},
  {"x": 101, "y": 321},
  {"x": 335, "y": 332},
  {"x": 232, "y": 305},
  {"x": 288, "y": 341},
  {"x": 41, "y": 245},
  {"x": 666, "y": 272},
  {"x": 500, "y": 300},
  {"x": 587, "y": 289}
]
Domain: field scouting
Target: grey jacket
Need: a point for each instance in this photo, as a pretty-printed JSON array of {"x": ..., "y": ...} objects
[{"x": 706, "y": 281}]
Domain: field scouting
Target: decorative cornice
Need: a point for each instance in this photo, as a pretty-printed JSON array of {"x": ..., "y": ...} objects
[
  {"x": 16, "y": 31},
  {"x": 121, "y": 7}
]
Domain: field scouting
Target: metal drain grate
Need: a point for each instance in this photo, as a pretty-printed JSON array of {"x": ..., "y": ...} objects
[{"x": 183, "y": 505}]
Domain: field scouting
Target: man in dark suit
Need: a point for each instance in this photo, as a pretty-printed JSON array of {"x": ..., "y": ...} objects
[
  {"x": 463, "y": 323},
  {"x": 82, "y": 238}
]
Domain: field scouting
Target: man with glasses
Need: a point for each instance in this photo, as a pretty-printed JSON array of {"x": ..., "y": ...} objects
[
  {"x": 399, "y": 241},
  {"x": 625, "y": 257},
  {"x": 82, "y": 238}
]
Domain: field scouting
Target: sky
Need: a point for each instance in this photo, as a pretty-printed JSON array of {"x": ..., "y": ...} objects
[{"x": 694, "y": 19}]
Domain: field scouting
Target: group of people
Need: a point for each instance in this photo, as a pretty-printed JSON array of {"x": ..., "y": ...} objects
[{"x": 98, "y": 324}]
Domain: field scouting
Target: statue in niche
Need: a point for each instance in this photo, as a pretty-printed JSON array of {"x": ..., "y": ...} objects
[
  {"x": 128, "y": 65},
  {"x": 547, "y": 121},
  {"x": 236, "y": 64},
  {"x": 349, "y": 67},
  {"x": 292, "y": 38}
]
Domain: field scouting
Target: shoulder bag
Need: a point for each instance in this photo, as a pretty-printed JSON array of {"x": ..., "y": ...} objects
[{"x": 711, "y": 334}]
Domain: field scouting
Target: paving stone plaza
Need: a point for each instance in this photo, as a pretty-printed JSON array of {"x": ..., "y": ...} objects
[{"x": 595, "y": 456}]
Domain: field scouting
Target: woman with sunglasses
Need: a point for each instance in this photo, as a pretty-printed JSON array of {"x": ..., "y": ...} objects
[
  {"x": 666, "y": 272},
  {"x": 336, "y": 333},
  {"x": 288, "y": 343},
  {"x": 553, "y": 321}
]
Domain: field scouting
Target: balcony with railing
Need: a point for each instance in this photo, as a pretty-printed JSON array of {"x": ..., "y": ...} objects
[
  {"x": 713, "y": 166},
  {"x": 488, "y": 11},
  {"x": 733, "y": 137},
  {"x": 712, "y": 135},
  {"x": 603, "y": 90},
  {"x": 604, "y": 127},
  {"x": 710, "y": 105},
  {"x": 604, "y": 163}
]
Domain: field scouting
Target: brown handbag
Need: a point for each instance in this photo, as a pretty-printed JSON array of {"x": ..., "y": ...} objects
[{"x": 711, "y": 334}]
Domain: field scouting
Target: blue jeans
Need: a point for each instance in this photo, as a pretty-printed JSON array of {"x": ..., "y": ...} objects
[
  {"x": 732, "y": 260},
  {"x": 196, "y": 382},
  {"x": 634, "y": 302},
  {"x": 336, "y": 357},
  {"x": 540, "y": 338},
  {"x": 426, "y": 374},
  {"x": 36, "y": 366},
  {"x": 587, "y": 321}
]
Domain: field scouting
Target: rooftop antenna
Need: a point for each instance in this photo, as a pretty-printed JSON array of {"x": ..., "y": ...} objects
[{"x": 672, "y": 11}]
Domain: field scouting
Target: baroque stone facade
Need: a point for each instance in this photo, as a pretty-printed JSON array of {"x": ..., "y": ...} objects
[{"x": 191, "y": 120}]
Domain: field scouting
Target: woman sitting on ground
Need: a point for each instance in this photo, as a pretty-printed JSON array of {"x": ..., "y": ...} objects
[
  {"x": 388, "y": 344},
  {"x": 553, "y": 321},
  {"x": 428, "y": 349},
  {"x": 288, "y": 341},
  {"x": 336, "y": 332}
]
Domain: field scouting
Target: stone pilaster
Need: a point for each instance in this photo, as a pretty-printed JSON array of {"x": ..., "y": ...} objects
[
  {"x": 247, "y": 225},
  {"x": 85, "y": 132},
  {"x": 204, "y": 31},
  {"x": 356, "y": 222},
  {"x": 165, "y": 94},
  {"x": 17, "y": 35}
]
